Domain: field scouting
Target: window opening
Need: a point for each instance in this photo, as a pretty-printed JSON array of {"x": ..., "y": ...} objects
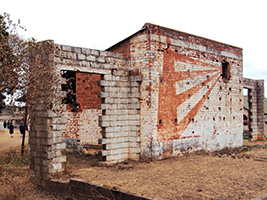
[
  {"x": 225, "y": 70},
  {"x": 70, "y": 88}
]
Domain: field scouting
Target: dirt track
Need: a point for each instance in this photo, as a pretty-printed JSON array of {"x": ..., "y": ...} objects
[{"x": 7, "y": 142}]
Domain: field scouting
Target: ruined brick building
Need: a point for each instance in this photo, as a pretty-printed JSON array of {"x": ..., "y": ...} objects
[{"x": 156, "y": 94}]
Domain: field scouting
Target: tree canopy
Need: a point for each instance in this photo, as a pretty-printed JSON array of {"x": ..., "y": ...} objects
[
  {"x": 22, "y": 73},
  {"x": 13, "y": 58}
]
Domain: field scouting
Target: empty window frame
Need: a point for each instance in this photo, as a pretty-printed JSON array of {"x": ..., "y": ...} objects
[{"x": 225, "y": 70}]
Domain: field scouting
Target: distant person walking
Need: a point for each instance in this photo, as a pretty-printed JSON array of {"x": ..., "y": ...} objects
[
  {"x": 4, "y": 124},
  {"x": 11, "y": 129},
  {"x": 22, "y": 129}
]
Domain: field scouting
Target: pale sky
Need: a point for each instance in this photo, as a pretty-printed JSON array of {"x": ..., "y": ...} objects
[{"x": 98, "y": 24}]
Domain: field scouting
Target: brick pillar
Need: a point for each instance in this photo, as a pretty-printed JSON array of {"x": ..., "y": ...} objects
[
  {"x": 260, "y": 109},
  {"x": 120, "y": 116},
  {"x": 256, "y": 107},
  {"x": 46, "y": 119},
  {"x": 253, "y": 124}
]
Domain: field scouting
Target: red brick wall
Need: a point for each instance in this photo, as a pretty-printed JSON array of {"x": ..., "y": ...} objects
[
  {"x": 87, "y": 89},
  {"x": 83, "y": 124},
  {"x": 185, "y": 102},
  {"x": 122, "y": 47},
  {"x": 174, "y": 34},
  {"x": 196, "y": 105},
  {"x": 168, "y": 126}
]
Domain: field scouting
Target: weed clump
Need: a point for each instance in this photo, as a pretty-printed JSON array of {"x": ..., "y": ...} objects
[{"x": 13, "y": 174}]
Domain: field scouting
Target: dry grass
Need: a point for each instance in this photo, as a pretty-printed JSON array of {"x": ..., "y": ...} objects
[
  {"x": 12, "y": 174},
  {"x": 228, "y": 174},
  {"x": 15, "y": 177}
]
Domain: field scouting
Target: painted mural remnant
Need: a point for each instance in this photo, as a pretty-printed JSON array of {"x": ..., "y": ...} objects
[
  {"x": 191, "y": 91},
  {"x": 156, "y": 94}
]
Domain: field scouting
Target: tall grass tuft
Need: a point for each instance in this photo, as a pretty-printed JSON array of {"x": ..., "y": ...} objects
[{"x": 13, "y": 174}]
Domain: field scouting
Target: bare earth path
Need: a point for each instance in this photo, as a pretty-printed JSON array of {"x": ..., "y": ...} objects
[{"x": 7, "y": 142}]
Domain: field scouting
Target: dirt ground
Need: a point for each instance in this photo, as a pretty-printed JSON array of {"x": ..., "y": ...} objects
[
  {"x": 229, "y": 174},
  {"x": 14, "y": 171},
  {"x": 7, "y": 142}
]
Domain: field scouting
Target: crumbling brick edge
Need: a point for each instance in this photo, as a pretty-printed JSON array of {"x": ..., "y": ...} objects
[{"x": 79, "y": 189}]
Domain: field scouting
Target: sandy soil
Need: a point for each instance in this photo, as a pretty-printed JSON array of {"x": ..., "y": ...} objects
[
  {"x": 224, "y": 175},
  {"x": 7, "y": 142}
]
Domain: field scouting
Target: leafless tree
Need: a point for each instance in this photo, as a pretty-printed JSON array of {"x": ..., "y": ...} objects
[{"x": 26, "y": 68}]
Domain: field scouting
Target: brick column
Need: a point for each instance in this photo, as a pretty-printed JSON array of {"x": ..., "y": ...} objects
[
  {"x": 120, "y": 116},
  {"x": 260, "y": 109},
  {"x": 256, "y": 107},
  {"x": 46, "y": 119}
]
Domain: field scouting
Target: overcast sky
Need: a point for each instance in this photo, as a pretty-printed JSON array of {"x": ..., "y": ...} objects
[{"x": 98, "y": 24}]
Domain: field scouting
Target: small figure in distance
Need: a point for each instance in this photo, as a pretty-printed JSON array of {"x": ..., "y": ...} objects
[
  {"x": 22, "y": 129},
  {"x": 11, "y": 129}
]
